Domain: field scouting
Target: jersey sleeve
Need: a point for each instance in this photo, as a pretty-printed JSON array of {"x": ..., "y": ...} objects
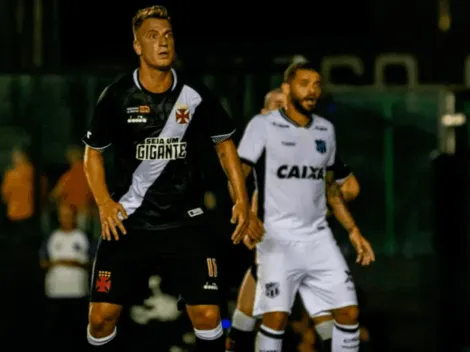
[
  {"x": 253, "y": 141},
  {"x": 100, "y": 132},
  {"x": 332, "y": 151},
  {"x": 341, "y": 170},
  {"x": 218, "y": 124}
]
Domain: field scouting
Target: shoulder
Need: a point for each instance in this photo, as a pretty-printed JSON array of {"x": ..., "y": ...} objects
[
  {"x": 321, "y": 122},
  {"x": 80, "y": 235},
  {"x": 54, "y": 236},
  {"x": 270, "y": 118},
  {"x": 194, "y": 84},
  {"x": 118, "y": 87}
]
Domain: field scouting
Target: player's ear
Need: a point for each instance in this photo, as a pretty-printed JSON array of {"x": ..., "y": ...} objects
[
  {"x": 137, "y": 47},
  {"x": 264, "y": 111},
  {"x": 285, "y": 87}
]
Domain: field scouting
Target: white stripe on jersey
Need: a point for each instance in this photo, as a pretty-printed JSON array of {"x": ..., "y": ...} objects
[
  {"x": 294, "y": 182},
  {"x": 149, "y": 171}
]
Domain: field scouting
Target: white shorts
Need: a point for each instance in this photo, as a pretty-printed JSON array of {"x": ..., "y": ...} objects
[{"x": 315, "y": 268}]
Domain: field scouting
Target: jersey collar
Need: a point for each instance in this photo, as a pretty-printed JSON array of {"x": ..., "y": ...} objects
[
  {"x": 288, "y": 119},
  {"x": 135, "y": 76}
]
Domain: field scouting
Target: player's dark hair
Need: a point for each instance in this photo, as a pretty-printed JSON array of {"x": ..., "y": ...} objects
[
  {"x": 291, "y": 71},
  {"x": 156, "y": 11}
]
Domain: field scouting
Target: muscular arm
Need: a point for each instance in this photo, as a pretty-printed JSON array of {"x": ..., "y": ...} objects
[
  {"x": 337, "y": 203},
  {"x": 350, "y": 188},
  {"x": 94, "y": 171},
  {"x": 234, "y": 170}
]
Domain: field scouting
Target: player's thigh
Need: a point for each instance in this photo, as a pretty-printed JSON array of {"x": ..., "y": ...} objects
[
  {"x": 196, "y": 277},
  {"x": 277, "y": 281},
  {"x": 117, "y": 269},
  {"x": 246, "y": 296},
  {"x": 329, "y": 283}
]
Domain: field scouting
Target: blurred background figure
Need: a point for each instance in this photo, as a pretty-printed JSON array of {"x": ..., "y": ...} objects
[
  {"x": 273, "y": 100},
  {"x": 18, "y": 193},
  {"x": 65, "y": 256},
  {"x": 72, "y": 188}
]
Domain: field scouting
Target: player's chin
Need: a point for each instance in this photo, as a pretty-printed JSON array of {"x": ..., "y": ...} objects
[
  {"x": 309, "y": 107},
  {"x": 162, "y": 64}
]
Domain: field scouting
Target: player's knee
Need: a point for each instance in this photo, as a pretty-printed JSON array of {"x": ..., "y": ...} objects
[
  {"x": 275, "y": 320},
  {"x": 204, "y": 317},
  {"x": 103, "y": 318},
  {"x": 346, "y": 315},
  {"x": 321, "y": 319}
]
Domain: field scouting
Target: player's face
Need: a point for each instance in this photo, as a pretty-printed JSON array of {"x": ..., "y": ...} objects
[
  {"x": 304, "y": 90},
  {"x": 155, "y": 44},
  {"x": 276, "y": 101}
]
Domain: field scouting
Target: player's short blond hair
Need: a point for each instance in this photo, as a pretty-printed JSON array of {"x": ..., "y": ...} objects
[{"x": 156, "y": 11}]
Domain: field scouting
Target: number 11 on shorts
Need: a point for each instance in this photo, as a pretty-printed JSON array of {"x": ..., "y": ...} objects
[{"x": 212, "y": 267}]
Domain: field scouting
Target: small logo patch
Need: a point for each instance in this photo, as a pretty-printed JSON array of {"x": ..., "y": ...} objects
[
  {"x": 272, "y": 289},
  {"x": 321, "y": 146},
  {"x": 103, "y": 281}
]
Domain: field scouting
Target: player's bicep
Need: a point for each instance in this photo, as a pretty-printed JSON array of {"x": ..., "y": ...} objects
[
  {"x": 253, "y": 142},
  {"x": 350, "y": 188},
  {"x": 100, "y": 131}
]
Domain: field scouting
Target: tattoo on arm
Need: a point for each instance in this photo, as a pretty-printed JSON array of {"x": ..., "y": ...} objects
[{"x": 337, "y": 203}]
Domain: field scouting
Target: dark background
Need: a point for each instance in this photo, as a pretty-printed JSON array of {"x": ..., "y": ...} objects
[{"x": 56, "y": 56}]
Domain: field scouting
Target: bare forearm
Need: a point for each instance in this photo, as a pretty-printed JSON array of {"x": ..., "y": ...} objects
[
  {"x": 338, "y": 206},
  {"x": 95, "y": 173},
  {"x": 231, "y": 165},
  {"x": 246, "y": 169}
]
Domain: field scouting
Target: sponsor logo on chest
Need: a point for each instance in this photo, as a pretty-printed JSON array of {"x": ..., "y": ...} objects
[{"x": 161, "y": 148}]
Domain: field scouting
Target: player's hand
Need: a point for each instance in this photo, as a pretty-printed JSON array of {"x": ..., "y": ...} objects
[
  {"x": 249, "y": 243},
  {"x": 365, "y": 253},
  {"x": 255, "y": 229},
  {"x": 240, "y": 216},
  {"x": 111, "y": 213}
]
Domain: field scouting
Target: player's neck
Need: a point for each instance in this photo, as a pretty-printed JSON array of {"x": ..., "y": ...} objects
[
  {"x": 299, "y": 118},
  {"x": 155, "y": 81}
]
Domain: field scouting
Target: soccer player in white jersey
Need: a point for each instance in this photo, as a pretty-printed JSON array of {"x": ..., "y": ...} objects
[
  {"x": 241, "y": 337},
  {"x": 298, "y": 252}
]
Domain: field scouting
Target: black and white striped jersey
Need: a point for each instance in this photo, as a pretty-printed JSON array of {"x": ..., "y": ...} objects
[{"x": 159, "y": 141}]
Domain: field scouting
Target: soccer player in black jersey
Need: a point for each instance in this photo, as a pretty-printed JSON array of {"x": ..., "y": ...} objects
[{"x": 161, "y": 125}]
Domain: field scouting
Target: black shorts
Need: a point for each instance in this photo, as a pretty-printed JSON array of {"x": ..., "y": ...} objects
[{"x": 120, "y": 267}]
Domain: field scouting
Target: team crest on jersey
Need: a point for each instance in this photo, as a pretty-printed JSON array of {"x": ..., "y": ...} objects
[
  {"x": 103, "y": 281},
  {"x": 272, "y": 289},
  {"x": 182, "y": 114},
  {"x": 321, "y": 146},
  {"x": 161, "y": 148}
]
